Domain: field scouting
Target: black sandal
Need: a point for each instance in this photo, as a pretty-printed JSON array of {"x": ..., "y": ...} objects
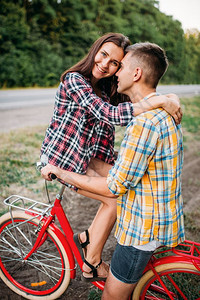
[
  {"x": 95, "y": 276},
  {"x": 80, "y": 245}
]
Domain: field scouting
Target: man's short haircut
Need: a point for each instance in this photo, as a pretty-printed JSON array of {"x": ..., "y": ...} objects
[{"x": 152, "y": 59}]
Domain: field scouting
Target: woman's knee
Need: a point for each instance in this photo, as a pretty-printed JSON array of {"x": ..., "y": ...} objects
[{"x": 112, "y": 205}]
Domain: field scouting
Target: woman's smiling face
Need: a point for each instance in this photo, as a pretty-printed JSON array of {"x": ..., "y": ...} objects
[{"x": 107, "y": 61}]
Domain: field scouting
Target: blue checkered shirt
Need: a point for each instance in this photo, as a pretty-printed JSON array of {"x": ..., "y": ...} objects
[{"x": 147, "y": 179}]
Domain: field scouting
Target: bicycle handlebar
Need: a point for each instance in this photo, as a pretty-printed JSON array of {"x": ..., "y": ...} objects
[
  {"x": 40, "y": 165},
  {"x": 53, "y": 176}
]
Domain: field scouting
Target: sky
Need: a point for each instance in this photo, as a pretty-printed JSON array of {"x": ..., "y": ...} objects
[{"x": 185, "y": 11}]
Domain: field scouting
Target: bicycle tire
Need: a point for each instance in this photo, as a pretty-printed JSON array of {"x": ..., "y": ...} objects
[
  {"x": 45, "y": 273},
  {"x": 185, "y": 275}
]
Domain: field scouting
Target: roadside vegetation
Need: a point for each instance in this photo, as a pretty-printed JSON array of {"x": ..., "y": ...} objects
[
  {"x": 19, "y": 152},
  {"x": 40, "y": 39}
]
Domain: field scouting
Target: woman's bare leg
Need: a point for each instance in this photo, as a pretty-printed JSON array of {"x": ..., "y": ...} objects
[
  {"x": 99, "y": 231},
  {"x": 102, "y": 224}
]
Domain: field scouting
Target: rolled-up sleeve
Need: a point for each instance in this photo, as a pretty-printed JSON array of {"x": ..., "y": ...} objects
[{"x": 137, "y": 149}]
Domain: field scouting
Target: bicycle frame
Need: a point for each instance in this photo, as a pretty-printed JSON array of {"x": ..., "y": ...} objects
[
  {"x": 45, "y": 218},
  {"x": 67, "y": 238}
]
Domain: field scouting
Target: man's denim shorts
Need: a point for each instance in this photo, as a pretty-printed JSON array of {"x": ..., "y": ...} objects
[{"x": 128, "y": 263}]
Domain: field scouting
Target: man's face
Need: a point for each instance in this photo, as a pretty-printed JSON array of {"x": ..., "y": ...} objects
[{"x": 125, "y": 74}]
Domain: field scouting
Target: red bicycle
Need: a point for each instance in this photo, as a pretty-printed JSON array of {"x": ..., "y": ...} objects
[{"x": 37, "y": 260}]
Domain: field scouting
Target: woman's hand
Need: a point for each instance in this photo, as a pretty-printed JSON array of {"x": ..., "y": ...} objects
[
  {"x": 169, "y": 102},
  {"x": 48, "y": 170},
  {"x": 172, "y": 106}
]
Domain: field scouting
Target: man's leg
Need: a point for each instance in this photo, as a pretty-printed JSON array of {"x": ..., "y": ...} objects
[
  {"x": 127, "y": 266},
  {"x": 115, "y": 289}
]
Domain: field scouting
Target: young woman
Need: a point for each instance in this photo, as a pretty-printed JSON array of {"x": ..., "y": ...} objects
[{"x": 80, "y": 136}]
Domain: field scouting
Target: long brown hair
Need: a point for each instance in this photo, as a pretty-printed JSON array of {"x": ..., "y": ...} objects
[{"x": 85, "y": 66}]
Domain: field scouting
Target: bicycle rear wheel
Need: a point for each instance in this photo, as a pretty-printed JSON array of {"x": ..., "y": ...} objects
[
  {"x": 181, "y": 279},
  {"x": 45, "y": 273}
]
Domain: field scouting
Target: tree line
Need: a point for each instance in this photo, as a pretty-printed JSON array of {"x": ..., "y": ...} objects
[{"x": 39, "y": 39}]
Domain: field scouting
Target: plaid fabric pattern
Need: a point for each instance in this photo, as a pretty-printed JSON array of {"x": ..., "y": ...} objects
[
  {"x": 146, "y": 177},
  {"x": 82, "y": 125}
]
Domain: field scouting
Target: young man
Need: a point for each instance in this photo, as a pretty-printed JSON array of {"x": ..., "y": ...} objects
[{"x": 146, "y": 178}]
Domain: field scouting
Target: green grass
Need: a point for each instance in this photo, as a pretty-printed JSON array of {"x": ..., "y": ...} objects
[
  {"x": 19, "y": 152},
  {"x": 95, "y": 294},
  {"x": 190, "y": 122},
  {"x": 191, "y": 114}
]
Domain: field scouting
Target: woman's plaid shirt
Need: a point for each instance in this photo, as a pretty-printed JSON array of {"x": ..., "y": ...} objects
[
  {"x": 82, "y": 125},
  {"x": 147, "y": 178}
]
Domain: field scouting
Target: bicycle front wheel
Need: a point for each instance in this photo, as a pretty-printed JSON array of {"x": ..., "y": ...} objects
[
  {"x": 45, "y": 273},
  {"x": 182, "y": 281}
]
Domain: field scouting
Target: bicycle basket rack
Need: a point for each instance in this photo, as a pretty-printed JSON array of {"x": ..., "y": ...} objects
[{"x": 35, "y": 208}]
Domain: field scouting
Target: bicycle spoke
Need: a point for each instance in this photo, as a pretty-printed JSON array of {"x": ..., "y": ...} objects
[
  {"x": 46, "y": 270},
  {"x": 8, "y": 259},
  {"x": 177, "y": 285},
  {"x": 43, "y": 270},
  {"x": 153, "y": 296},
  {"x": 43, "y": 264},
  {"x": 12, "y": 247},
  {"x": 43, "y": 260}
]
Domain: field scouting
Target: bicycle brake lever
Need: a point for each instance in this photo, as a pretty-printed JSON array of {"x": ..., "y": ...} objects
[{"x": 40, "y": 165}]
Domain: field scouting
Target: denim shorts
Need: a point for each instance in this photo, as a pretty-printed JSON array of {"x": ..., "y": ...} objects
[{"x": 128, "y": 263}]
